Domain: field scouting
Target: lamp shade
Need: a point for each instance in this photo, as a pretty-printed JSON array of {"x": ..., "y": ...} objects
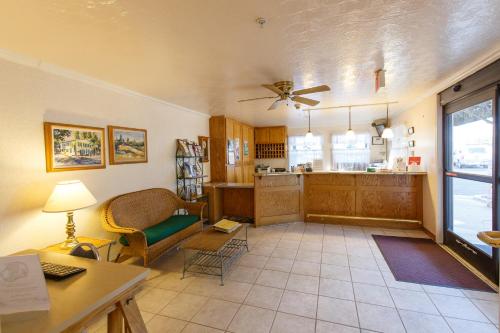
[
  {"x": 68, "y": 196},
  {"x": 309, "y": 135},
  {"x": 387, "y": 133}
]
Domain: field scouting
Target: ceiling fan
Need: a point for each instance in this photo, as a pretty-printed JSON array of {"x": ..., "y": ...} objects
[{"x": 284, "y": 91}]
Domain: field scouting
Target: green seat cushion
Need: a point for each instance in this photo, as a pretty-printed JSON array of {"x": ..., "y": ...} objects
[{"x": 162, "y": 230}]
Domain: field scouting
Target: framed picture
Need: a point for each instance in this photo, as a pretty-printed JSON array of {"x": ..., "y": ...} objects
[
  {"x": 127, "y": 145},
  {"x": 237, "y": 149},
  {"x": 230, "y": 152},
  {"x": 73, "y": 147},
  {"x": 377, "y": 141},
  {"x": 203, "y": 142},
  {"x": 411, "y": 130},
  {"x": 245, "y": 148},
  {"x": 411, "y": 143}
]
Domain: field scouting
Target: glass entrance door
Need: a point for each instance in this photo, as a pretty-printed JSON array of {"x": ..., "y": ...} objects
[{"x": 470, "y": 178}]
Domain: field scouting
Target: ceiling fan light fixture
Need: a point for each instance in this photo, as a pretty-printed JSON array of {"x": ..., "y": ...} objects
[
  {"x": 387, "y": 133},
  {"x": 309, "y": 134}
]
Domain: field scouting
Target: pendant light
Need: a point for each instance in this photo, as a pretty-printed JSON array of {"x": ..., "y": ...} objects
[
  {"x": 309, "y": 134},
  {"x": 350, "y": 132},
  {"x": 387, "y": 133}
]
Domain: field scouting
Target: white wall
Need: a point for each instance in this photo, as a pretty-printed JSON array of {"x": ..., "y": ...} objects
[
  {"x": 424, "y": 117},
  {"x": 28, "y": 97}
]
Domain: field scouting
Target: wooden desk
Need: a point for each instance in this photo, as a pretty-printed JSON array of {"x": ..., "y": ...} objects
[
  {"x": 103, "y": 289},
  {"x": 98, "y": 243}
]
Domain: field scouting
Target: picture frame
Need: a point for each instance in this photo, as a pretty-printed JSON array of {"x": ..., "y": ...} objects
[
  {"x": 377, "y": 141},
  {"x": 127, "y": 145},
  {"x": 230, "y": 152},
  {"x": 411, "y": 130},
  {"x": 245, "y": 148},
  {"x": 237, "y": 149},
  {"x": 411, "y": 143},
  {"x": 203, "y": 142},
  {"x": 70, "y": 147}
]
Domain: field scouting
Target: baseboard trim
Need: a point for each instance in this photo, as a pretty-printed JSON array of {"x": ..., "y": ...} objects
[
  {"x": 428, "y": 233},
  {"x": 364, "y": 221}
]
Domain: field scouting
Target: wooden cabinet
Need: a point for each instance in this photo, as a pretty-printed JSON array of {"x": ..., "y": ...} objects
[
  {"x": 262, "y": 135},
  {"x": 222, "y": 130},
  {"x": 271, "y": 142},
  {"x": 265, "y": 135},
  {"x": 277, "y": 134}
]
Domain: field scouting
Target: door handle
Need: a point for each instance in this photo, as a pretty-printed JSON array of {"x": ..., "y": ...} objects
[{"x": 451, "y": 174}]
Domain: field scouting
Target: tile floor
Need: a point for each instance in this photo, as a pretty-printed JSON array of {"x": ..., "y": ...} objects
[{"x": 308, "y": 278}]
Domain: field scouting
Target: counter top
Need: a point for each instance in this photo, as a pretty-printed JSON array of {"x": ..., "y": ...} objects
[
  {"x": 421, "y": 173},
  {"x": 229, "y": 185}
]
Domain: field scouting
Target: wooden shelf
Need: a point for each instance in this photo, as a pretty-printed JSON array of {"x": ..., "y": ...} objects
[{"x": 270, "y": 150}]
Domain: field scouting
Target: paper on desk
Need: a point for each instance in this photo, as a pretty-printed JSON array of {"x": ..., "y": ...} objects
[{"x": 22, "y": 285}]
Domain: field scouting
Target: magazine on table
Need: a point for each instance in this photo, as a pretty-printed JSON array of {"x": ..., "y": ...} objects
[{"x": 226, "y": 226}]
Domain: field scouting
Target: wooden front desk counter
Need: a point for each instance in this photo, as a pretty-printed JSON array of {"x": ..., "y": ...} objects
[
  {"x": 358, "y": 198},
  {"x": 229, "y": 199}
]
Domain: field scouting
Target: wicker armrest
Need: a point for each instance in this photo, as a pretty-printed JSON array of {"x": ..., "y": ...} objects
[{"x": 195, "y": 208}]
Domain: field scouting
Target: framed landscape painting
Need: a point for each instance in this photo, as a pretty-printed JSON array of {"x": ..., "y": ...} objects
[
  {"x": 73, "y": 147},
  {"x": 127, "y": 145}
]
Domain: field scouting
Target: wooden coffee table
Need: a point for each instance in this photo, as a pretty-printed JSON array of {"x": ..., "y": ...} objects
[{"x": 215, "y": 251}]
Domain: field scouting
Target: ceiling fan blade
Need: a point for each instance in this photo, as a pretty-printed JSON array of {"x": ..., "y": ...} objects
[
  {"x": 303, "y": 100},
  {"x": 275, "y": 105},
  {"x": 311, "y": 90},
  {"x": 273, "y": 88},
  {"x": 254, "y": 99}
]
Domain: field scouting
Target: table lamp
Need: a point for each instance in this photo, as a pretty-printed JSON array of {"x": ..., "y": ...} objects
[{"x": 69, "y": 196}]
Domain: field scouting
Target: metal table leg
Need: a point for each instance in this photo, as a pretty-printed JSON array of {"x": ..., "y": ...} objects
[
  {"x": 221, "y": 258},
  {"x": 184, "y": 265}
]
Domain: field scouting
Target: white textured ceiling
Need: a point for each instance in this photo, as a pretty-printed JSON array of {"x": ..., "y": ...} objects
[{"x": 206, "y": 54}]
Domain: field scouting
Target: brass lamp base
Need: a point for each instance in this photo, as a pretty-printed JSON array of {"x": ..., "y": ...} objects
[{"x": 71, "y": 240}]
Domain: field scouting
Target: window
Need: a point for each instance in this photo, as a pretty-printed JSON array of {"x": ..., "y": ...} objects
[
  {"x": 351, "y": 153},
  {"x": 301, "y": 151}
]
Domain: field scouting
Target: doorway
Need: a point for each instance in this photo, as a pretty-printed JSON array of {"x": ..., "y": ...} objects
[{"x": 471, "y": 177}]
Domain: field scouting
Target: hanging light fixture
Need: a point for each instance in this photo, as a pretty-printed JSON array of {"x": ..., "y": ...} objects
[
  {"x": 350, "y": 132},
  {"x": 387, "y": 133},
  {"x": 309, "y": 134}
]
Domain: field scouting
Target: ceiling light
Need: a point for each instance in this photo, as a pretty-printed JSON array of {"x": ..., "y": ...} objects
[
  {"x": 309, "y": 134},
  {"x": 350, "y": 132},
  {"x": 387, "y": 133},
  {"x": 379, "y": 79}
]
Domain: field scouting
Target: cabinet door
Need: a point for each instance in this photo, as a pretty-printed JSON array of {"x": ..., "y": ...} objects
[
  {"x": 237, "y": 142},
  {"x": 229, "y": 129},
  {"x": 230, "y": 175},
  {"x": 238, "y": 174},
  {"x": 248, "y": 173},
  {"x": 277, "y": 134},
  {"x": 244, "y": 137},
  {"x": 251, "y": 146},
  {"x": 262, "y": 135}
]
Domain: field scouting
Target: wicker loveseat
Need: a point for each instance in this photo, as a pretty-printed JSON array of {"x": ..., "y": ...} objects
[{"x": 147, "y": 224}]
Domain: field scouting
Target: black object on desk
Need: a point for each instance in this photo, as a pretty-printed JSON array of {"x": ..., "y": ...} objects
[{"x": 59, "y": 272}]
